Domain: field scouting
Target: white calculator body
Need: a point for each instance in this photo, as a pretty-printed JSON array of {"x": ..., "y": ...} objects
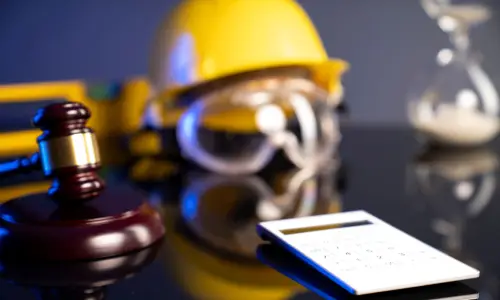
[{"x": 364, "y": 254}]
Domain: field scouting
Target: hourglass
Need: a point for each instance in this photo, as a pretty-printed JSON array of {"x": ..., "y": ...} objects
[{"x": 460, "y": 106}]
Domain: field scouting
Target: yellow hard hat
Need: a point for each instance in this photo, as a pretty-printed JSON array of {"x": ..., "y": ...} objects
[{"x": 204, "y": 40}]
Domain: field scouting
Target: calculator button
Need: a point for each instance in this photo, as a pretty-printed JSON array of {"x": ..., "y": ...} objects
[{"x": 314, "y": 250}]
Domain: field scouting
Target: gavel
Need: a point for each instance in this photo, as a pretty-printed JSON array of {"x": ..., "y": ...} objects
[
  {"x": 63, "y": 224},
  {"x": 68, "y": 154}
]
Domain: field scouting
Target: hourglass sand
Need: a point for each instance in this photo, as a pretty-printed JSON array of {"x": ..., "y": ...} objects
[{"x": 461, "y": 105}]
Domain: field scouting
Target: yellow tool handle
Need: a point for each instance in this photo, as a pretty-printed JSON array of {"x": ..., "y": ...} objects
[
  {"x": 69, "y": 90},
  {"x": 23, "y": 142},
  {"x": 11, "y": 192}
]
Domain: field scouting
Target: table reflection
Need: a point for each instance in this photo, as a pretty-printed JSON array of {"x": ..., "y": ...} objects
[
  {"x": 210, "y": 223},
  {"x": 78, "y": 280},
  {"x": 224, "y": 211},
  {"x": 456, "y": 187}
]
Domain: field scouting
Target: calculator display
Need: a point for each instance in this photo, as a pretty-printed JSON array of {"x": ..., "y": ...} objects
[{"x": 325, "y": 227}]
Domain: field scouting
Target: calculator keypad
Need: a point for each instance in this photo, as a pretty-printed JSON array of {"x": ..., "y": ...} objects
[{"x": 351, "y": 250}]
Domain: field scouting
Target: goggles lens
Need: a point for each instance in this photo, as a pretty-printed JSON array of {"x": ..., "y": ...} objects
[{"x": 239, "y": 129}]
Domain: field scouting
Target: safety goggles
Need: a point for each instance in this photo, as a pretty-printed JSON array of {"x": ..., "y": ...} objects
[{"x": 239, "y": 129}]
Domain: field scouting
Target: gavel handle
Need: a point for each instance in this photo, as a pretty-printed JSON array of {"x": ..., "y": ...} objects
[{"x": 20, "y": 165}]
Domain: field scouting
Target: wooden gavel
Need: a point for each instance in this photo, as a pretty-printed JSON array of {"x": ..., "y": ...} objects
[{"x": 68, "y": 154}]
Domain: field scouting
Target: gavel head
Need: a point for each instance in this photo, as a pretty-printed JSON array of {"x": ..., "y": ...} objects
[{"x": 68, "y": 152}]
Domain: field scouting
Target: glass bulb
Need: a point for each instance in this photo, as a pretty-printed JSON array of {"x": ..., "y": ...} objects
[{"x": 459, "y": 106}]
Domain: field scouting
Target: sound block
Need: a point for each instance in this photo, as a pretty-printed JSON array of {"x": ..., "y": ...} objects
[{"x": 116, "y": 222}]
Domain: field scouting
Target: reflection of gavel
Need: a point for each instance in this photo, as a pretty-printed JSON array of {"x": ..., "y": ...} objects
[
  {"x": 76, "y": 280},
  {"x": 68, "y": 153}
]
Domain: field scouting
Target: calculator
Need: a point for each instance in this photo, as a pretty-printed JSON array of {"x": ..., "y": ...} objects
[
  {"x": 363, "y": 254},
  {"x": 292, "y": 267}
]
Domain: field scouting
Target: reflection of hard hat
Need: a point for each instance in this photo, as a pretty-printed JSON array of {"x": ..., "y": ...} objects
[
  {"x": 224, "y": 211},
  {"x": 206, "y": 276},
  {"x": 206, "y": 40}
]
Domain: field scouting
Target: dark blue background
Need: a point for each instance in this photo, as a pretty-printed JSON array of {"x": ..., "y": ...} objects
[{"x": 388, "y": 42}]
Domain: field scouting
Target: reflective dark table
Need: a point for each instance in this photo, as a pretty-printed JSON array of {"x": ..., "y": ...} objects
[{"x": 447, "y": 198}]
